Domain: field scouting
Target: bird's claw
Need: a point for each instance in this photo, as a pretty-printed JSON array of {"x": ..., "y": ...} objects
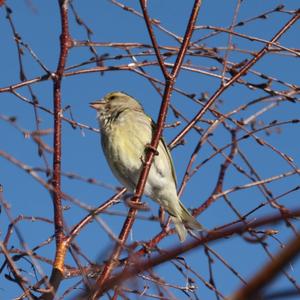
[
  {"x": 137, "y": 205},
  {"x": 151, "y": 148}
]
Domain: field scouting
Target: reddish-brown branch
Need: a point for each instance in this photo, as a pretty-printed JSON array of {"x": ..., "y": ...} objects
[
  {"x": 65, "y": 44},
  {"x": 187, "y": 38},
  {"x": 153, "y": 40},
  {"x": 57, "y": 79}
]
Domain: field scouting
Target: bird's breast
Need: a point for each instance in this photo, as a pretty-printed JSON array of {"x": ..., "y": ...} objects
[{"x": 124, "y": 146}]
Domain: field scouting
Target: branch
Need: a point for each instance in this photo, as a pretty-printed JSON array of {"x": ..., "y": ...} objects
[
  {"x": 65, "y": 44},
  {"x": 217, "y": 234}
]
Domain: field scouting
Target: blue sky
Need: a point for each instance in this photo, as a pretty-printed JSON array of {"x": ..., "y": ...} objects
[{"x": 38, "y": 24}]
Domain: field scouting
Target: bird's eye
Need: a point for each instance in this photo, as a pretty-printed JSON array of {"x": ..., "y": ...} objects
[{"x": 112, "y": 97}]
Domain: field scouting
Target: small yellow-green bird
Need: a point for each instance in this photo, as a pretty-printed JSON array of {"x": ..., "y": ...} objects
[{"x": 125, "y": 133}]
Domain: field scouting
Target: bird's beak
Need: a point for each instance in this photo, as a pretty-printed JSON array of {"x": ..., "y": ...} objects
[{"x": 98, "y": 104}]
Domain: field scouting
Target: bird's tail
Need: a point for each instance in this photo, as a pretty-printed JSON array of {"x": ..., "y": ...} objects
[
  {"x": 180, "y": 228},
  {"x": 188, "y": 219},
  {"x": 184, "y": 219}
]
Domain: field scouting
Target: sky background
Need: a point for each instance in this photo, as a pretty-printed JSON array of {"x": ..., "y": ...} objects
[{"x": 38, "y": 25}]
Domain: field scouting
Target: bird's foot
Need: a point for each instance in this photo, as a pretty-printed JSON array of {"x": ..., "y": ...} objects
[
  {"x": 137, "y": 205},
  {"x": 151, "y": 148}
]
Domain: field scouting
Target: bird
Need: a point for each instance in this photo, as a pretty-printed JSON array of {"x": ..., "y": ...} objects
[{"x": 126, "y": 132}]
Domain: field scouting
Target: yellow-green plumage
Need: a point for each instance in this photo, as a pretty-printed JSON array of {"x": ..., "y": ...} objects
[{"x": 125, "y": 132}]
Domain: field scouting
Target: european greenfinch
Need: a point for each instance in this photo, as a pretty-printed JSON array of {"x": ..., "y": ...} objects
[{"x": 126, "y": 132}]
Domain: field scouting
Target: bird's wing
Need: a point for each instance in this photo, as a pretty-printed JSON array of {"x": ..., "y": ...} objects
[
  {"x": 166, "y": 148},
  {"x": 171, "y": 160}
]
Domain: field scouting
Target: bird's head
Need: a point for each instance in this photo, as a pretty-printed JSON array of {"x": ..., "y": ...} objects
[{"x": 115, "y": 101}]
